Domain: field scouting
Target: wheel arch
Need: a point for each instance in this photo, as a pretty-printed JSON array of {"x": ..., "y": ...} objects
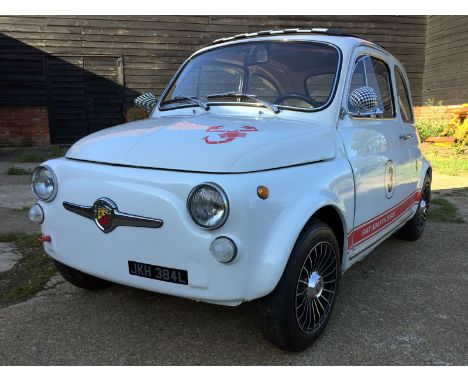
[
  {"x": 331, "y": 216},
  {"x": 426, "y": 169},
  {"x": 276, "y": 253},
  {"x": 429, "y": 172}
]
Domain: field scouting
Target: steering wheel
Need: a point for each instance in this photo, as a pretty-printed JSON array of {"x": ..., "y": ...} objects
[{"x": 304, "y": 98}]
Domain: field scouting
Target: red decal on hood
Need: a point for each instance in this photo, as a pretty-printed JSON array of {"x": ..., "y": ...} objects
[{"x": 226, "y": 135}]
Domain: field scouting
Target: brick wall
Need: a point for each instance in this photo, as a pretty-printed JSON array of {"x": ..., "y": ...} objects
[{"x": 24, "y": 126}]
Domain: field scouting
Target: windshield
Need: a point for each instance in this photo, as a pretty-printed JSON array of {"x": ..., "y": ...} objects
[{"x": 288, "y": 74}]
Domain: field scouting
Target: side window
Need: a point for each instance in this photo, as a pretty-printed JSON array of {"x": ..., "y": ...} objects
[
  {"x": 262, "y": 88},
  {"x": 403, "y": 97},
  {"x": 372, "y": 72}
]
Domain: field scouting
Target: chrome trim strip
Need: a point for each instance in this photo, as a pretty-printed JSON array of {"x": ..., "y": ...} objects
[
  {"x": 117, "y": 218},
  {"x": 87, "y": 212}
]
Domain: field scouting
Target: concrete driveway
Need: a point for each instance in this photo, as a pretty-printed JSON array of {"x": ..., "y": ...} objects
[{"x": 405, "y": 304}]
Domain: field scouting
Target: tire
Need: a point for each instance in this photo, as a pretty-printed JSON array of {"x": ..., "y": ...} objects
[
  {"x": 80, "y": 279},
  {"x": 316, "y": 259},
  {"x": 414, "y": 228}
]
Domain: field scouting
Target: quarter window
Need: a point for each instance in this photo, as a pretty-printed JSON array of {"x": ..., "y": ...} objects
[
  {"x": 372, "y": 72},
  {"x": 403, "y": 97}
]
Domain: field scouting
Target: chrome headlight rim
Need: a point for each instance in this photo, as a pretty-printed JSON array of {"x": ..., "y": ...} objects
[
  {"x": 54, "y": 179},
  {"x": 224, "y": 197}
]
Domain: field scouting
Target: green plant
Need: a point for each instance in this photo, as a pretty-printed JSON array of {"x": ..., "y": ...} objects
[
  {"x": 30, "y": 156},
  {"x": 57, "y": 151},
  {"x": 434, "y": 122},
  {"x": 30, "y": 274},
  {"x": 455, "y": 165},
  {"x": 461, "y": 134},
  {"x": 18, "y": 171}
]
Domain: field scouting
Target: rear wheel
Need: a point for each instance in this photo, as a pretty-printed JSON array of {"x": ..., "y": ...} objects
[
  {"x": 414, "y": 228},
  {"x": 80, "y": 279},
  {"x": 297, "y": 311}
]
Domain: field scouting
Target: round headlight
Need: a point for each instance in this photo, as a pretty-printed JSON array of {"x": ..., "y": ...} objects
[
  {"x": 44, "y": 183},
  {"x": 208, "y": 205}
]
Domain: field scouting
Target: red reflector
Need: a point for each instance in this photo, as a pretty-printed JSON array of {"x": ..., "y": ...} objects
[{"x": 44, "y": 238}]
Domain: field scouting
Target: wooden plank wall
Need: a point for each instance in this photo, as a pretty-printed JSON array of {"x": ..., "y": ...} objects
[
  {"x": 153, "y": 47},
  {"x": 446, "y": 73}
]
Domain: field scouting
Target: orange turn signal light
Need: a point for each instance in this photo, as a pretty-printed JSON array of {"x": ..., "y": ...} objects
[{"x": 263, "y": 192}]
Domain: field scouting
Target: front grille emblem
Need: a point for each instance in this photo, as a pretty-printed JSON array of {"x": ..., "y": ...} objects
[{"x": 106, "y": 215}]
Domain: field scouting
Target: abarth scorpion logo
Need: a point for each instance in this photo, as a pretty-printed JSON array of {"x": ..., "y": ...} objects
[
  {"x": 104, "y": 214},
  {"x": 107, "y": 216},
  {"x": 224, "y": 135}
]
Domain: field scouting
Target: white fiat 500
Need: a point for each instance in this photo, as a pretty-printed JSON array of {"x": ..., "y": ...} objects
[{"x": 272, "y": 162}]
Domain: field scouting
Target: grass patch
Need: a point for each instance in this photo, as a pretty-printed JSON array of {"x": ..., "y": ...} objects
[
  {"x": 58, "y": 151},
  {"x": 455, "y": 165},
  {"x": 41, "y": 155},
  {"x": 18, "y": 171},
  {"x": 30, "y": 156},
  {"x": 30, "y": 274},
  {"x": 442, "y": 210}
]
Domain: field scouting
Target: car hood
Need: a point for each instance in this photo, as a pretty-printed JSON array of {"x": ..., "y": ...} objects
[{"x": 209, "y": 143}]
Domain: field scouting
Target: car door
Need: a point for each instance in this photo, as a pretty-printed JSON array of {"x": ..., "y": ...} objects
[
  {"x": 377, "y": 154},
  {"x": 406, "y": 119}
]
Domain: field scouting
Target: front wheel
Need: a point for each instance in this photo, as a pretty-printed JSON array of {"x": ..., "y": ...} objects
[{"x": 297, "y": 311}]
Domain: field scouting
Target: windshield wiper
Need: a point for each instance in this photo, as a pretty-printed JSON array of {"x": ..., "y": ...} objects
[
  {"x": 267, "y": 104},
  {"x": 196, "y": 100}
]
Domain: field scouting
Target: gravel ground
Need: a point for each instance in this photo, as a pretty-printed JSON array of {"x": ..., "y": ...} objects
[{"x": 405, "y": 304}]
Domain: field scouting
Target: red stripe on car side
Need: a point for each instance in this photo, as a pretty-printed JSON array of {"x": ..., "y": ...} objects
[{"x": 374, "y": 225}]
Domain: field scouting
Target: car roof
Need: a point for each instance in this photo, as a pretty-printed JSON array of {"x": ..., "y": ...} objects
[
  {"x": 288, "y": 31},
  {"x": 327, "y": 35}
]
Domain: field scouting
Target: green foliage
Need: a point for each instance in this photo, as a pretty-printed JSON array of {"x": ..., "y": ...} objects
[
  {"x": 40, "y": 155},
  {"x": 435, "y": 122},
  {"x": 30, "y": 274},
  {"x": 455, "y": 165},
  {"x": 18, "y": 171},
  {"x": 461, "y": 134},
  {"x": 442, "y": 210},
  {"x": 57, "y": 151},
  {"x": 30, "y": 155}
]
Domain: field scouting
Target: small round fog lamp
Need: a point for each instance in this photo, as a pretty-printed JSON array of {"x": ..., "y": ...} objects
[
  {"x": 36, "y": 214},
  {"x": 223, "y": 249}
]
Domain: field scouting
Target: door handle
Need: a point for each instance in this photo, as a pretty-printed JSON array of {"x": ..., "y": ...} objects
[{"x": 406, "y": 136}]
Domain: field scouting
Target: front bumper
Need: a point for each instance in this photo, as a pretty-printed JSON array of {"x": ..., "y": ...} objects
[{"x": 179, "y": 243}]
